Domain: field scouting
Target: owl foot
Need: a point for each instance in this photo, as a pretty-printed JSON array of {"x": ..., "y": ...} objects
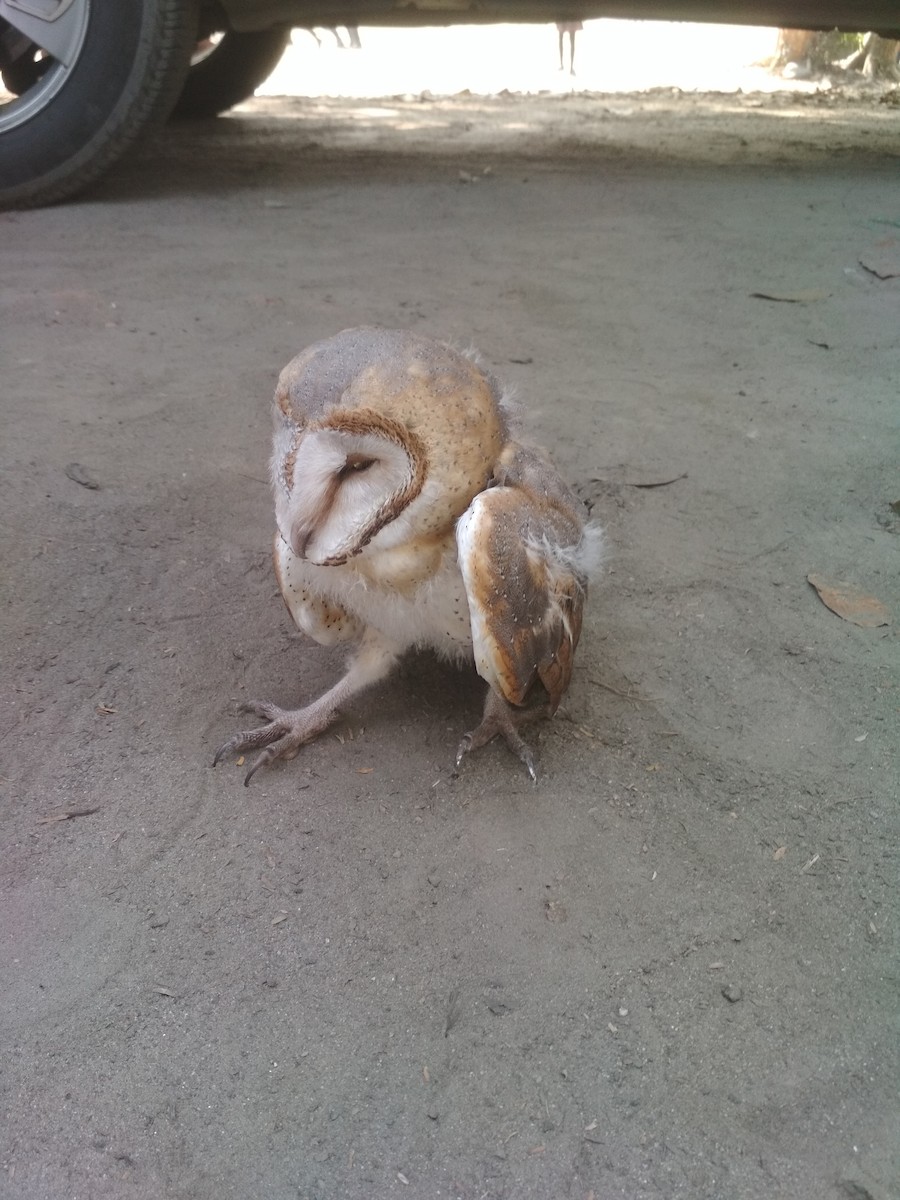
[
  {"x": 501, "y": 718},
  {"x": 283, "y": 735},
  {"x": 287, "y": 730}
]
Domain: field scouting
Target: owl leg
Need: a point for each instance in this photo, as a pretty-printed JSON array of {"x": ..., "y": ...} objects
[
  {"x": 287, "y": 730},
  {"x": 501, "y": 717}
]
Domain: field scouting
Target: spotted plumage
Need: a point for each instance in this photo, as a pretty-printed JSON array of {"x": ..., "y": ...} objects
[{"x": 408, "y": 515}]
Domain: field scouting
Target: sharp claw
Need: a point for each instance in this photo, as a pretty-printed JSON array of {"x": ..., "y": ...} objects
[
  {"x": 261, "y": 760},
  {"x": 226, "y": 749},
  {"x": 481, "y": 736},
  {"x": 463, "y": 749}
]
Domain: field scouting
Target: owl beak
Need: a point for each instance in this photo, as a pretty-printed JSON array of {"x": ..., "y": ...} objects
[
  {"x": 301, "y": 536},
  {"x": 300, "y": 540}
]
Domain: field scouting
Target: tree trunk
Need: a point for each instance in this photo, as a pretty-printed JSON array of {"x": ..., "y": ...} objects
[
  {"x": 794, "y": 46},
  {"x": 881, "y": 57}
]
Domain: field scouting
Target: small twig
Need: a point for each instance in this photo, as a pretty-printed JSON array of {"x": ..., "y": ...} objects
[
  {"x": 54, "y": 818},
  {"x": 625, "y": 695},
  {"x": 658, "y": 483},
  {"x": 254, "y": 478},
  {"x": 878, "y": 274},
  {"x": 769, "y": 549}
]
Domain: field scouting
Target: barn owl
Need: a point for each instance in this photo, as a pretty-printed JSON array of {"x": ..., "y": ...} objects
[{"x": 408, "y": 515}]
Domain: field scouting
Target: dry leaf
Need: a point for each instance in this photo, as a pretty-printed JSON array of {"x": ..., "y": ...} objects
[
  {"x": 105, "y": 710},
  {"x": 850, "y": 603},
  {"x": 780, "y": 853},
  {"x": 364, "y": 770},
  {"x": 79, "y": 474},
  {"x": 426, "y": 1074},
  {"x": 281, "y": 917},
  {"x": 164, "y": 991}
]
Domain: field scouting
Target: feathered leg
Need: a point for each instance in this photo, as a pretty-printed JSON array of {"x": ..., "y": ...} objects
[{"x": 287, "y": 730}]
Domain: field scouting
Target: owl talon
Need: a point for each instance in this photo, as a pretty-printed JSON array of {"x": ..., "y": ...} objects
[
  {"x": 262, "y": 760},
  {"x": 281, "y": 737},
  {"x": 486, "y": 733},
  {"x": 528, "y": 759},
  {"x": 501, "y": 718},
  {"x": 463, "y": 748}
]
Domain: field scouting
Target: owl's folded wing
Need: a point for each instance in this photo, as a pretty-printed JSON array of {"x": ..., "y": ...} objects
[{"x": 517, "y": 555}]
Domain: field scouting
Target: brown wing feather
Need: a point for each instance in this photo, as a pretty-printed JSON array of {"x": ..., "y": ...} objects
[
  {"x": 555, "y": 666},
  {"x": 525, "y": 602}
]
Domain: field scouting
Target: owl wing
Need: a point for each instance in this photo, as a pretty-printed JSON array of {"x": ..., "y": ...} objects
[
  {"x": 321, "y": 618},
  {"x": 525, "y": 598}
]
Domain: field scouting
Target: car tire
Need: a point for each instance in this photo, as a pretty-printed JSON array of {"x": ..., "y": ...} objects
[
  {"x": 74, "y": 116},
  {"x": 231, "y": 72}
]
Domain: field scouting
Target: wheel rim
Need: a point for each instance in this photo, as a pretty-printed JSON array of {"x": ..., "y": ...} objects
[{"x": 41, "y": 39}]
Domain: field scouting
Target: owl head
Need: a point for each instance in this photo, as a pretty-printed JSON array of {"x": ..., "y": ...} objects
[
  {"x": 380, "y": 436},
  {"x": 344, "y": 479}
]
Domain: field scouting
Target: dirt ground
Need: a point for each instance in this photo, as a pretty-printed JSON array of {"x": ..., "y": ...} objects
[{"x": 667, "y": 971}]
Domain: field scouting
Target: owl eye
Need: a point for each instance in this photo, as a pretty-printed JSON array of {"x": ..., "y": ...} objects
[{"x": 355, "y": 463}]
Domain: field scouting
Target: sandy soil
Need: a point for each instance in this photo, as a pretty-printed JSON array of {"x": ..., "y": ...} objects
[{"x": 669, "y": 970}]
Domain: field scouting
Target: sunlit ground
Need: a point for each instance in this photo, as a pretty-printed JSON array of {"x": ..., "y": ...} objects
[{"x": 610, "y": 56}]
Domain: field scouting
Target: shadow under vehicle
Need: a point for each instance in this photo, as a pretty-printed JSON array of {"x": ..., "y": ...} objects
[{"x": 82, "y": 80}]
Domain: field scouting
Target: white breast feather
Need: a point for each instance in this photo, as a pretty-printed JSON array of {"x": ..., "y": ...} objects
[{"x": 435, "y": 616}]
